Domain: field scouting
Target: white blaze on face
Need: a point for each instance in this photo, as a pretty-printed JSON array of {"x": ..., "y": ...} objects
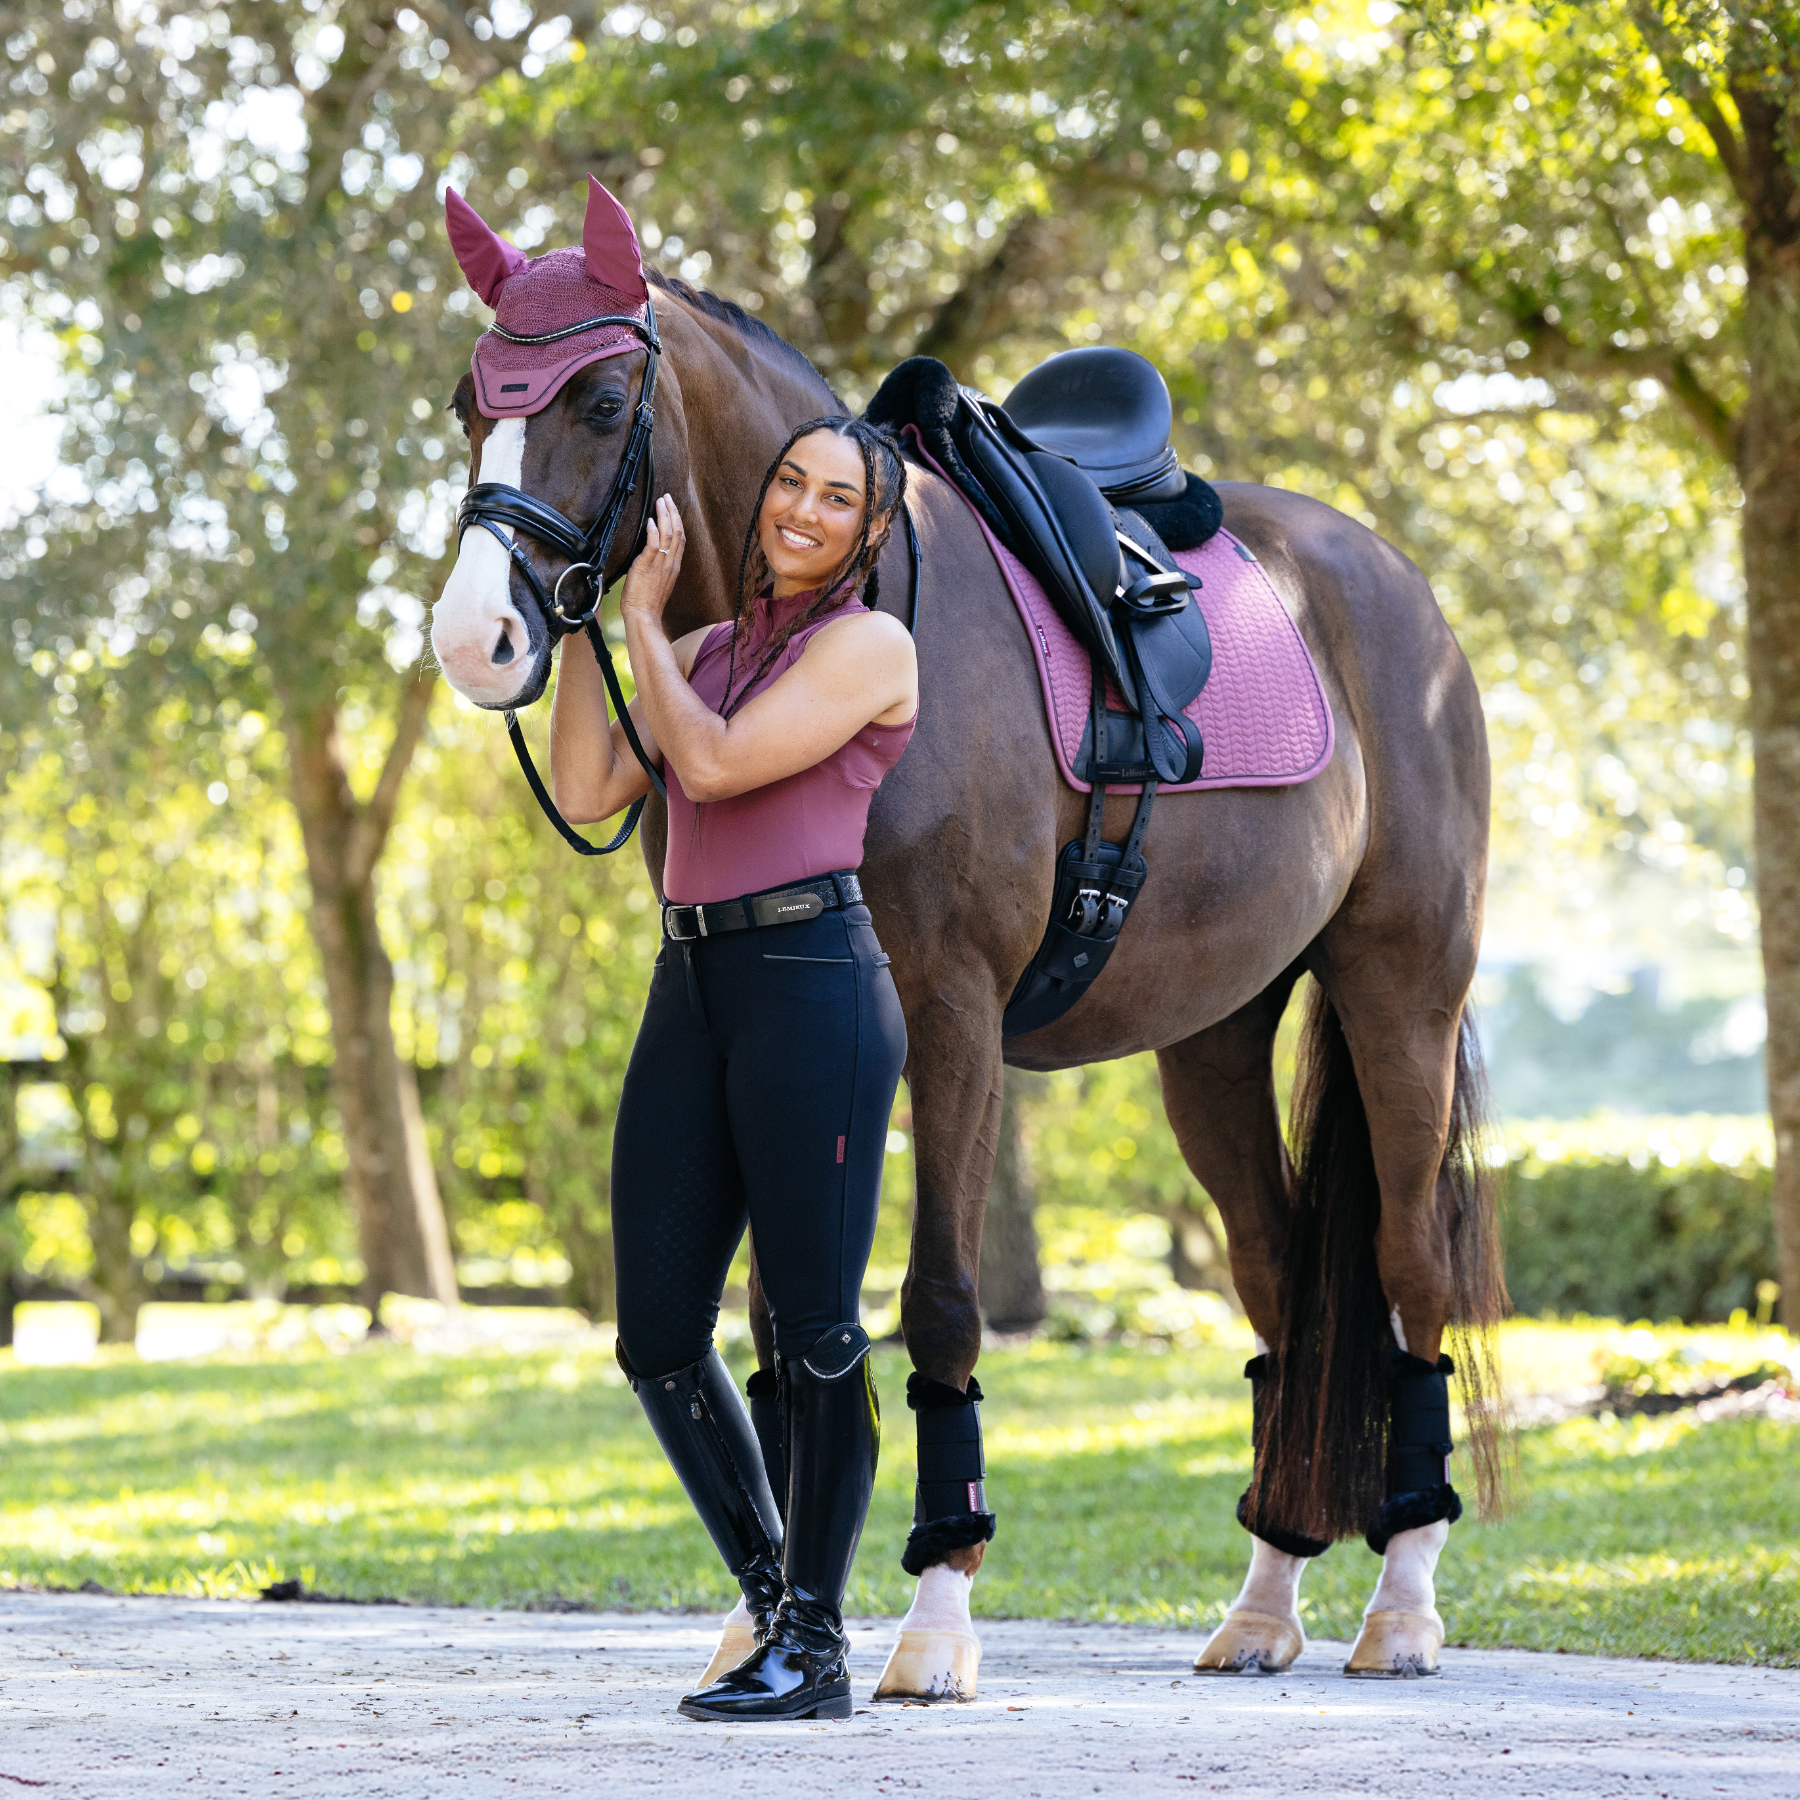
[{"x": 476, "y": 632}]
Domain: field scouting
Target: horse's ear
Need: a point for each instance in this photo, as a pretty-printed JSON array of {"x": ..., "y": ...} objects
[
  {"x": 485, "y": 257},
  {"x": 611, "y": 243}
]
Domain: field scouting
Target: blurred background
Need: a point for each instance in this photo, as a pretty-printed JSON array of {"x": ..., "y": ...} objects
[{"x": 302, "y": 1003}]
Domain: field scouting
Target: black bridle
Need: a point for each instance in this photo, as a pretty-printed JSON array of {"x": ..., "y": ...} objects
[{"x": 496, "y": 505}]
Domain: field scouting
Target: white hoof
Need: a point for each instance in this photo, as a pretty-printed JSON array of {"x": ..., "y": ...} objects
[
  {"x": 736, "y": 1640},
  {"x": 1250, "y": 1643},
  {"x": 931, "y": 1665},
  {"x": 1397, "y": 1646}
]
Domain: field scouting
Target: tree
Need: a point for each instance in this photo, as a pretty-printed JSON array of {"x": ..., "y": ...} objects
[
  {"x": 518, "y": 1000},
  {"x": 227, "y": 219},
  {"x": 159, "y": 923},
  {"x": 1011, "y": 1282}
]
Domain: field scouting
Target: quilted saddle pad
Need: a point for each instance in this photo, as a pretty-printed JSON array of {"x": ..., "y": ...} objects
[{"x": 1262, "y": 714}]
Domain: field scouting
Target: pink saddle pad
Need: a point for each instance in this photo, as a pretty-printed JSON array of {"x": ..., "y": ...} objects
[{"x": 1262, "y": 714}]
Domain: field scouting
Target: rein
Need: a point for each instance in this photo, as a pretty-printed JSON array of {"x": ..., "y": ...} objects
[{"x": 497, "y": 506}]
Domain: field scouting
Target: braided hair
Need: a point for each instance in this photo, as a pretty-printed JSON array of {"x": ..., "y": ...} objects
[{"x": 884, "y": 489}]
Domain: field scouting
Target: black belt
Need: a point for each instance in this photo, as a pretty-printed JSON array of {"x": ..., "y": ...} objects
[{"x": 780, "y": 906}]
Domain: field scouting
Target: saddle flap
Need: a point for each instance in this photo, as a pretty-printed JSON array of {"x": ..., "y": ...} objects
[
  {"x": 1107, "y": 411},
  {"x": 1057, "y": 523}
]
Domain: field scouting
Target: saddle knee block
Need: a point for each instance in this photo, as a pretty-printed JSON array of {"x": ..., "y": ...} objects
[
  {"x": 1261, "y": 1371},
  {"x": 950, "y": 1499},
  {"x": 1419, "y": 1446}
]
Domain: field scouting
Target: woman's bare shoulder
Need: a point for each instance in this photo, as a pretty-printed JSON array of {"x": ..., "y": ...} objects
[
  {"x": 861, "y": 634},
  {"x": 688, "y": 646}
]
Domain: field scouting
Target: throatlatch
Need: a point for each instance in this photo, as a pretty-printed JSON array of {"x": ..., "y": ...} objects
[
  {"x": 1419, "y": 1446},
  {"x": 950, "y": 1510},
  {"x": 1261, "y": 1371}
]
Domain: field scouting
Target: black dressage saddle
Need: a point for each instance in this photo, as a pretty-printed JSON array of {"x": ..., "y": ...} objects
[{"x": 1076, "y": 476}]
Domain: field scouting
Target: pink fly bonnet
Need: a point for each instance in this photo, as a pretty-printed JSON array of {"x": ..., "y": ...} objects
[{"x": 547, "y": 300}]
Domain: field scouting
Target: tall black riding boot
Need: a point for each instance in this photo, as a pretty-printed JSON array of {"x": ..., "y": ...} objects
[
  {"x": 833, "y": 1441},
  {"x": 700, "y": 1421}
]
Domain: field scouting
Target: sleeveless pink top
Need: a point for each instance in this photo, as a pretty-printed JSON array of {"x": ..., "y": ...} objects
[{"x": 793, "y": 829}]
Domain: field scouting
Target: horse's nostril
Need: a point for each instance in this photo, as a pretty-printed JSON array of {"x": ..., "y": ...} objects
[{"x": 503, "y": 651}]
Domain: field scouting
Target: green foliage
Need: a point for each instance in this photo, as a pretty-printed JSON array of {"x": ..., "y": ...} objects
[
  {"x": 158, "y": 917},
  {"x": 490, "y": 1480},
  {"x": 1662, "y": 1229},
  {"x": 1472, "y": 273}
]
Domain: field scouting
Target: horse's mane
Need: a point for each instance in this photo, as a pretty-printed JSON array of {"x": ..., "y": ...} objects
[{"x": 745, "y": 324}]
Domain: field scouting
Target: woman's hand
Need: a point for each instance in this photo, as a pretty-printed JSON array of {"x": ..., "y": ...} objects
[{"x": 651, "y": 578}]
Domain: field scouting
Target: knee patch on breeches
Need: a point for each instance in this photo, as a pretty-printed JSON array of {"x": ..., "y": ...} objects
[
  {"x": 1419, "y": 1446},
  {"x": 950, "y": 1510}
]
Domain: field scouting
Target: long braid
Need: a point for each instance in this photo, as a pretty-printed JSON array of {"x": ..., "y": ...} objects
[{"x": 881, "y": 499}]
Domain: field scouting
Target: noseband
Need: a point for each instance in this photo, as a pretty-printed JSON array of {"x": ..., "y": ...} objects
[{"x": 497, "y": 506}]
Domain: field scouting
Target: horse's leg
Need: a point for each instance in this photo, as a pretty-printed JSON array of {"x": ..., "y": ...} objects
[
  {"x": 737, "y": 1635},
  {"x": 1219, "y": 1092},
  {"x": 953, "y": 1072},
  {"x": 1402, "y": 1016}
]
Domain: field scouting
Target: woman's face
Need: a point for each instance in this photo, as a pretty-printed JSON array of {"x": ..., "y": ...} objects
[{"x": 813, "y": 512}]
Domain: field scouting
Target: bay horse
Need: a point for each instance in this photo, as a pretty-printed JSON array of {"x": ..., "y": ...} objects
[{"x": 1378, "y": 1238}]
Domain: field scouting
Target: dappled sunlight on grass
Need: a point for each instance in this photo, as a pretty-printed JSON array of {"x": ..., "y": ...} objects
[{"x": 532, "y": 1479}]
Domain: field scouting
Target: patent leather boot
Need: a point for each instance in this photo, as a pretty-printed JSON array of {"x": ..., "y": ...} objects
[
  {"x": 801, "y": 1671},
  {"x": 701, "y": 1422}
]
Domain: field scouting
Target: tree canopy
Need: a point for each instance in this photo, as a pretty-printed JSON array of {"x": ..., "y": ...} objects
[{"x": 1479, "y": 274}]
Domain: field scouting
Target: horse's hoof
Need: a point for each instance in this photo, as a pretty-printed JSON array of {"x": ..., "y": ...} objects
[
  {"x": 1397, "y": 1646},
  {"x": 1250, "y": 1643},
  {"x": 736, "y": 1642},
  {"x": 931, "y": 1665}
]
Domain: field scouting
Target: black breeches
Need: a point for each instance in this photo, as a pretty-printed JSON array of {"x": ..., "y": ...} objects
[{"x": 759, "y": 1091}]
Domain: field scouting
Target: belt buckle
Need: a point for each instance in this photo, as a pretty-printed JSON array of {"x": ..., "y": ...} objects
[{"x": 669, "y": 924}]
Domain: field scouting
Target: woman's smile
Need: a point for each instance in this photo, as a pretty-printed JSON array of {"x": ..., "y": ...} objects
[{"x": 812, "y": 512}]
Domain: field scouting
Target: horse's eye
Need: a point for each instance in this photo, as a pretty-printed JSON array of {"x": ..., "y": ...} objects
[{"x": 603, "y": 411}]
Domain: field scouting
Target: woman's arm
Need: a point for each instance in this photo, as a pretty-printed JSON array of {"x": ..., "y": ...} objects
[
  {"x": 593, "y": 773},
  {"x": 855, "y": 672}
]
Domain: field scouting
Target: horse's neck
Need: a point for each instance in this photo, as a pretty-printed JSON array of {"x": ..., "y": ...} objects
[{"x": 740, "y": 399}]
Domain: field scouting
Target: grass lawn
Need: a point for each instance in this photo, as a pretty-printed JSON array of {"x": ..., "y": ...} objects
[{"x": 491, "y": 1479}]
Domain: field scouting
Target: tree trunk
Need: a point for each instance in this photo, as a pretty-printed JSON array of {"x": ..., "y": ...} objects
[
  {"x": 11, "y": 1250},
  {"x": 1769, "y": 472},
  {"x": 1196, "y": 1257},
  {"x": 393, "y": 1191},
  {"x": 1012, "y": 1284},
  {"x": 117, "y": 1284}
]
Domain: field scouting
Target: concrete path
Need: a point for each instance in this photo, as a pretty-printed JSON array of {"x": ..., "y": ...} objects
[{"x": 148, "y": 1698}]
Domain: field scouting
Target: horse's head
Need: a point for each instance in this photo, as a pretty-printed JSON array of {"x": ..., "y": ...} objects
[{"x": 558, "y": 407}]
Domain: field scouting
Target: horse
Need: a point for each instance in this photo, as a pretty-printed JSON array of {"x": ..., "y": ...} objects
[{"x": 1375, "y": 1243}]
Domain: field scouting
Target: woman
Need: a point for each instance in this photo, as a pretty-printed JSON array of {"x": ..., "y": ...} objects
[{"x": 764, "y": 1071}]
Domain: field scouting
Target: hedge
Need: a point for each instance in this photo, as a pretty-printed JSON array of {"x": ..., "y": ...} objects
[{"x": 1640, "y": 1218}]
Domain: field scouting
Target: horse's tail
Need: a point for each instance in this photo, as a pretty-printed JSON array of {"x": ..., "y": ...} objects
[{"x": 1322, "y": 1450}]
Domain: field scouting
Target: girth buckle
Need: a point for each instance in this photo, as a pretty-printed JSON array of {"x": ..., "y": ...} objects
[{"x": 1096, "y": 912}]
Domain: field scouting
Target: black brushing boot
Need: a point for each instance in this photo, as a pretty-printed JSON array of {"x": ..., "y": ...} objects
[
  {"x": 833, "y": 1440},
  {"x": 1419, "y": 1446},
  {"x": 1260, "y": 1371},
  {"x": 700, "y": 1422}
]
